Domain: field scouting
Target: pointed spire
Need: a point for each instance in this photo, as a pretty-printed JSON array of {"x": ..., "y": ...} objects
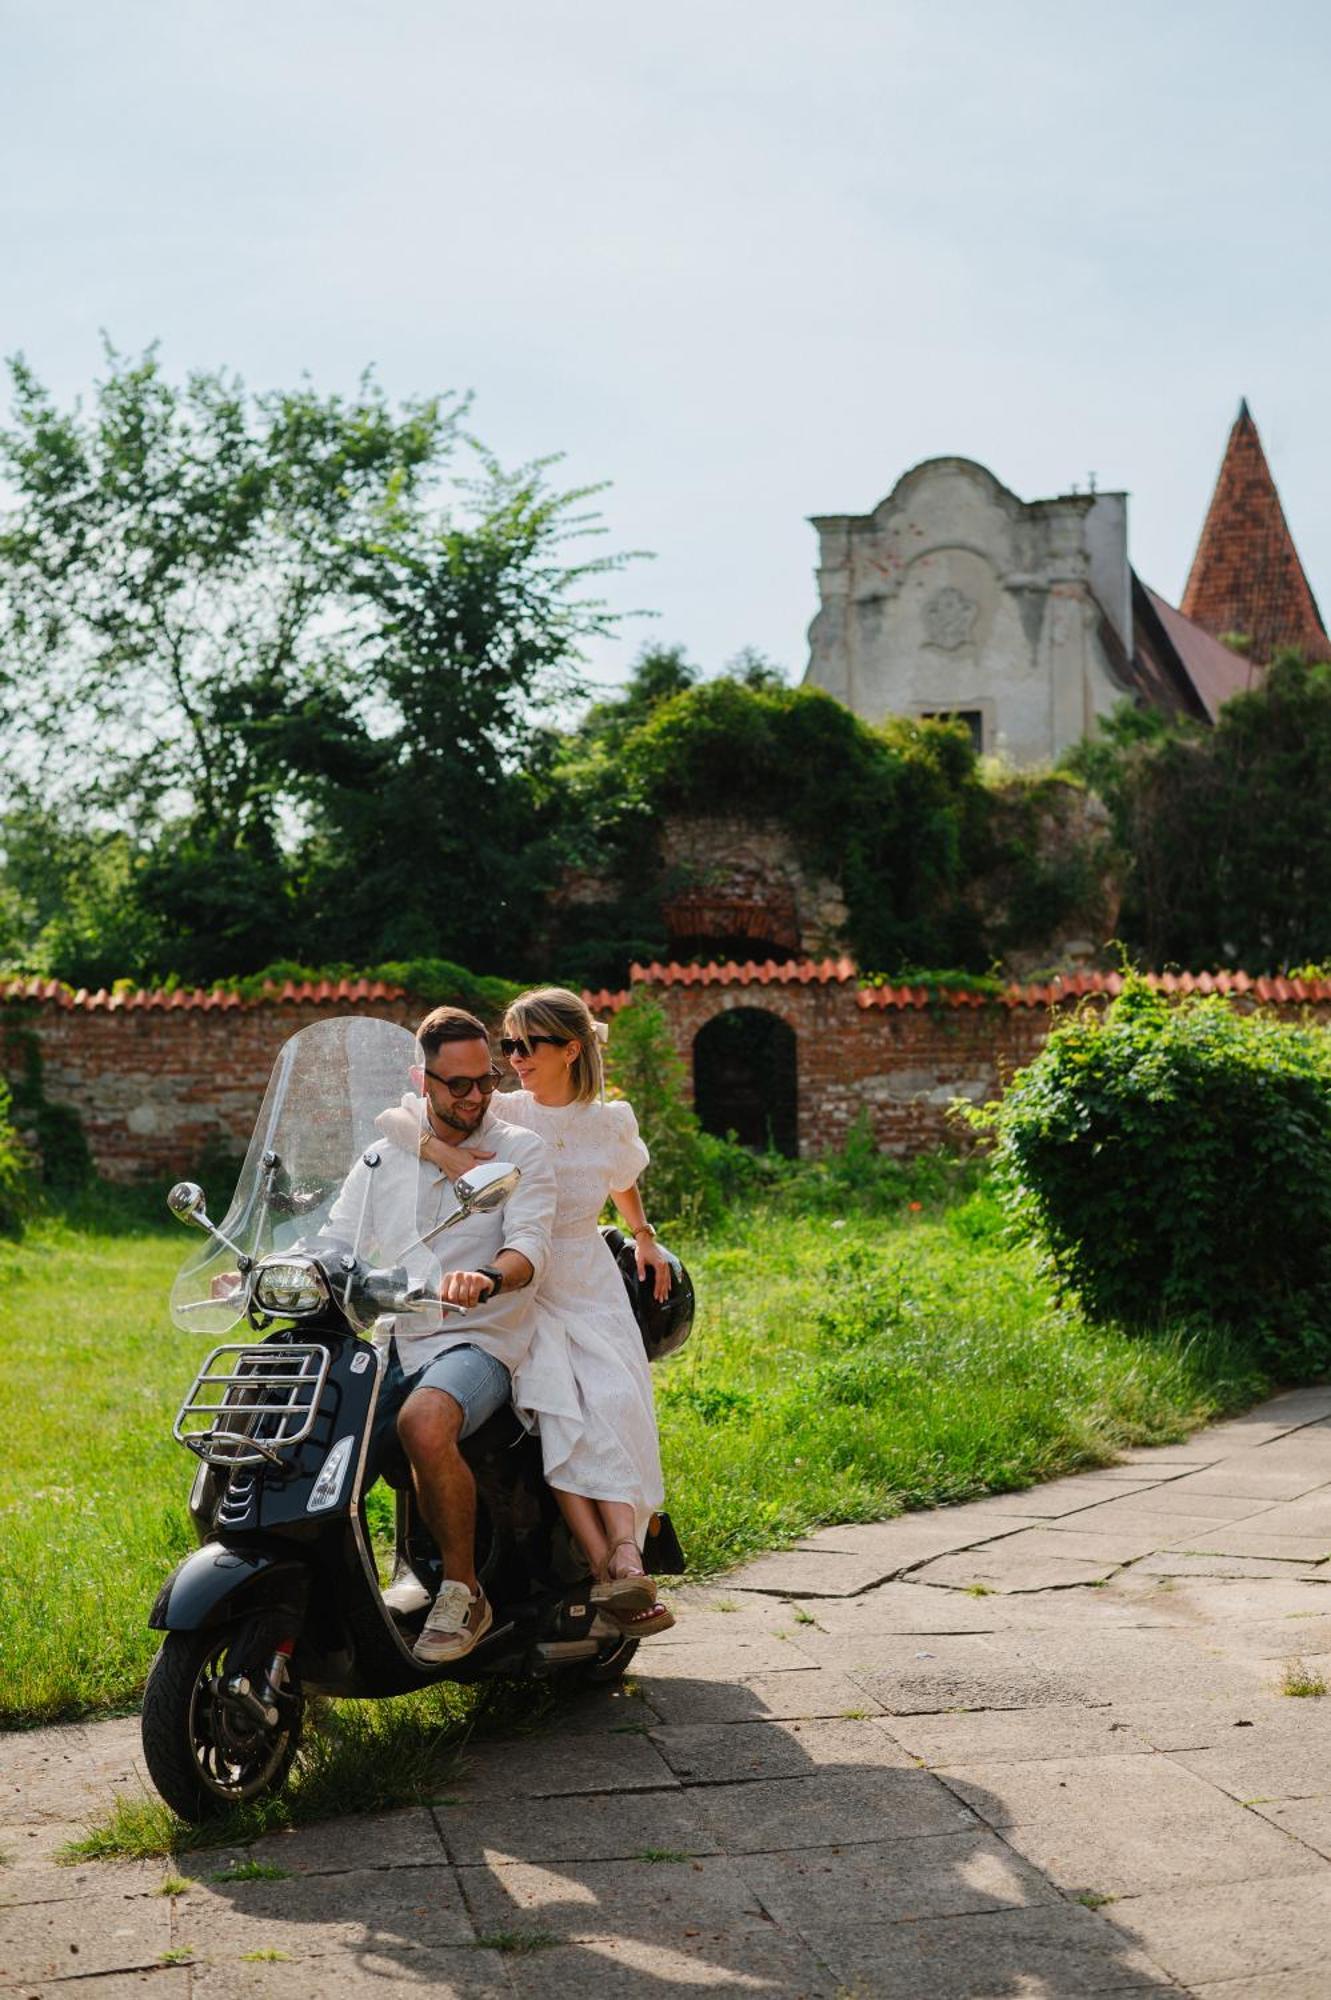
[{"x": 1246, "y": 575}]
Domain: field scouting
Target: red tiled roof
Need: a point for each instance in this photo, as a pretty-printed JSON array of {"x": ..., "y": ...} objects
[
  {"x": 198, "y": 998},
  {"x": 1246, "y": 575}
]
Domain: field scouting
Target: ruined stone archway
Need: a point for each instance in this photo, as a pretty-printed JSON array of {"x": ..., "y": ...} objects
[{"x": 746, "y": 1078}]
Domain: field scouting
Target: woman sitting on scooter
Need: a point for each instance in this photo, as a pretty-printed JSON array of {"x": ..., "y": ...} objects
[{"x": 585, "y": 1380}]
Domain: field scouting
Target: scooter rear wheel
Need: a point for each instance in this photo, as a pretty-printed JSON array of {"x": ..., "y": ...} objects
[{"x": 204, "y": 1751}]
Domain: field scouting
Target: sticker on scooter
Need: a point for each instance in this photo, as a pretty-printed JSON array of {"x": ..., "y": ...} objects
[{"x": 359, "y": 1363}]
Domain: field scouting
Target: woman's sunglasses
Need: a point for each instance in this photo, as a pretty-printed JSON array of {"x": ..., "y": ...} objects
[{"x": 515, "y": 1045}]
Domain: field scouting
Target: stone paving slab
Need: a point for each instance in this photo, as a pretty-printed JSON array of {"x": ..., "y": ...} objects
[
  {"x": 971, "y": 1671},
  {"x": 1016, "y": 1735},
  {"x": 1062, "y": 1496},
  {"x": 993, "y": 1570},
  {"x": 1255, "y": 1476},
  {"x": 167, "y": 1983},
  {"x": 912, "y": 1538},
  {"x": 1275, "y": 1759},
  {"x": 725, "y": 1753},
  {"x": 1262, "y": 1538},
  {"x": 1081, "y": 1538},
  {"x": 102, "y": 1932},
  {"x": 1308, "y": 1985},
  {"x": 1043, "y": 1953},
  {"x": 830, "y": 1808},
  {"x": 761, "y": 1963},
  {"x": 1163, "y": 1505},
  {"x": 599, "y": 1828},
  {"x": 575, "y": 1899},
  {"x": 1308, "y": 1820},
  {"x": 895, "y": 1881},
  {"x": 810, "y": 1573},
  {"x": 808, "y": 1693},
  {"x": 393, "y": 1910},
  {"x": 1177, "y": 1562},
  {"x": 1235, "y": 1931},
  {"x": 406, "y": 1839},
  {"x": 456, "y": 1973},
  {"x": 551, "y": 1766},
  {"x": 1121, "y": 1854}
]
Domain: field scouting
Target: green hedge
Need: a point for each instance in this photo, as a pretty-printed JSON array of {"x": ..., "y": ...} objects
[{"x": 1175, "y": 1162}]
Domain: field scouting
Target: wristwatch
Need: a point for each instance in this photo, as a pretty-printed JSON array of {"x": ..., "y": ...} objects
[{"x": 496, "y": 1280}]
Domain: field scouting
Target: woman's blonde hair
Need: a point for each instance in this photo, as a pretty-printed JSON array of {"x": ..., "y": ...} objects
[{"x": 553, "y": 1010}]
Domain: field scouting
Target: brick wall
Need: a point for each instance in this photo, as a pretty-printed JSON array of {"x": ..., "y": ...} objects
[
  {"x": 158, "y": 1089},
  {"x": 162, "y": 1081},
  {"x": 903, "y": 1066}
]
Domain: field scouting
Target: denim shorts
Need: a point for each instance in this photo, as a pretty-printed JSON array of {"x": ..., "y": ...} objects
[{"x": 471, "y": 1375}]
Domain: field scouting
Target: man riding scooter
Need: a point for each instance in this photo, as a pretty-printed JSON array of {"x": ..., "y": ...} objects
[{"x": 444, "y": 1379}]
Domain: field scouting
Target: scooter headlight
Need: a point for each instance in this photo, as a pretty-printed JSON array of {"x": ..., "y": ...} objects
[{"x": 289, "y": 1287}]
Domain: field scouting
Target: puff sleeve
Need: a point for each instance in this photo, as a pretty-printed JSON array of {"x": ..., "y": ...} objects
[{"x": 628, "y": 1154}]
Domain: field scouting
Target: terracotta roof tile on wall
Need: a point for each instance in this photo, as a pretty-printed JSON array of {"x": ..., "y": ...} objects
[
  {"x": 1246, "y": 575},
  {"x": 199, "y": 999},
  {"x": 1046, "y": 993}
]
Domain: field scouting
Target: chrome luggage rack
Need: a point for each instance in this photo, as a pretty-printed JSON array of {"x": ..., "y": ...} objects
[{"x": 249, "y": 1404}]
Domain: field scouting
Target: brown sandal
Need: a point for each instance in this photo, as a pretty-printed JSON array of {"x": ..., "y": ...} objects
[
  {"x": 642, "y": 1624},
  {"x": 620, "y": 1595}
]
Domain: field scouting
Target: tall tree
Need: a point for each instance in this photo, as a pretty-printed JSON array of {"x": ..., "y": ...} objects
[{"x": 293, "y": 648}]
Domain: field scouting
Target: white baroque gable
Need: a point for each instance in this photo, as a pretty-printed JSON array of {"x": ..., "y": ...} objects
[{"x": 956, "y": 596}]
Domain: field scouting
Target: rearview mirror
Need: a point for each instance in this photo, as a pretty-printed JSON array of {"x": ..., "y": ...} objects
[
  {"x": 486, "y": 1186},
  {"x": 186, "y": 1200}
]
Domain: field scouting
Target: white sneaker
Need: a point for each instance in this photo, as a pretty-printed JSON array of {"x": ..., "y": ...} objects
[{"x": 457, "y": 1621}]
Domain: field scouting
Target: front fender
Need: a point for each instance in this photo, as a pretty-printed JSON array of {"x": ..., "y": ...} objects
[{"x": 216, "y": 1584}]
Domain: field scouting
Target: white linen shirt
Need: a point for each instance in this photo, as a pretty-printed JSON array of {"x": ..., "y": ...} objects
[{"x": 407, "y": 1195}]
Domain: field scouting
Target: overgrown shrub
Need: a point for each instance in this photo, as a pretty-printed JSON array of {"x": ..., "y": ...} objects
[
  {"x": 63, "y": 1162},
  {"x": 642, "y": 1065},
  {"x": 15, "y": 1170},
  {"x": 1175, "y": 1162}
]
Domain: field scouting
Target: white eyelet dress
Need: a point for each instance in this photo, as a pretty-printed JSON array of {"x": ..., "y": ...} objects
[{"x": 585, "y": 1381}]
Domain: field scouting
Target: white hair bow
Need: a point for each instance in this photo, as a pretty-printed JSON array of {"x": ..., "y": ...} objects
[{"x": 601, "y": 1030}]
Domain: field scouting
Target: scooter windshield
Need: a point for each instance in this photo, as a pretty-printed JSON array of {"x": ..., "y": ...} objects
[{"x": 306, "y": 1182}]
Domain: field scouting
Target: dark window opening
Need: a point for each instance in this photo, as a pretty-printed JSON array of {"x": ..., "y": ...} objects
[
  {"x": 972, "y": 718},
  {"x": 745, "y": 1079}
]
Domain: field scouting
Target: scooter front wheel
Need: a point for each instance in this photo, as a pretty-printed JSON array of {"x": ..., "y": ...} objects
[{"x": 206, "y": 1742}]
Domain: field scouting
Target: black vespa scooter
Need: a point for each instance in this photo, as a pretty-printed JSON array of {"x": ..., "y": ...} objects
[{"x": 284, "y": 1596}]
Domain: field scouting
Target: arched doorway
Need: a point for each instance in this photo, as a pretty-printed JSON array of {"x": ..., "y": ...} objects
[{"x": 745, "y": 1078}]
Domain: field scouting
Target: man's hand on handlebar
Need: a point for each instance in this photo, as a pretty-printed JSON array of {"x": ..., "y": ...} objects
[{"x": 467, "y": 1288}]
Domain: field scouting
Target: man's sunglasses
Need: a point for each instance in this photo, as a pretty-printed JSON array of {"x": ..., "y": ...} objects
[
  {"x": 514, "y": 1045},
  {"x": 462, "y": 1086}
]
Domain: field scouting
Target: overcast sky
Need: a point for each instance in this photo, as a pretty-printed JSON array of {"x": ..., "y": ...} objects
[{"x": 747, "y": 260}]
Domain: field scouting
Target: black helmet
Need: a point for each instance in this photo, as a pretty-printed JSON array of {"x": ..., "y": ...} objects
[{"x": 664, "y": 1325}]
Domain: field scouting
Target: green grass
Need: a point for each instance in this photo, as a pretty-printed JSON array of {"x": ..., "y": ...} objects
[
  {"x": 837, "y": 1373},
  {"x": 1302, "y": 1681}
]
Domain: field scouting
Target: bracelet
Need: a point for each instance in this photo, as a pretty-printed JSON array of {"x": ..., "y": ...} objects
[{"x": 645, "y": 1229}]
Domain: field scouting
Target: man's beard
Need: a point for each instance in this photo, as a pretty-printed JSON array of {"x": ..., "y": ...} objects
[{"x": 456, "y": 1124}]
